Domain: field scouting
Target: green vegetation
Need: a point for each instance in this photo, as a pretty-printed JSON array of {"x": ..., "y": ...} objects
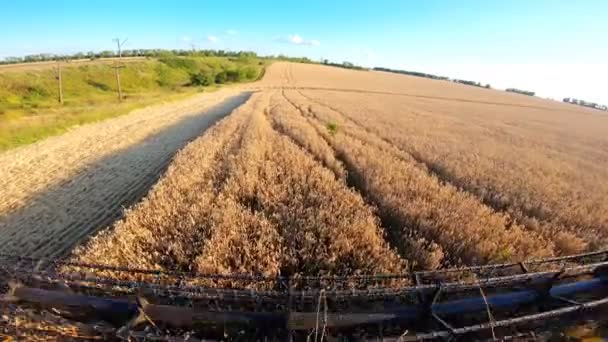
[
  {"x": 45, "y": 57},
  {"x": 469, "y": 83},
  {"x": 435, "y": 77},
  {"x": 345, "y": 65},
  {"x": 332, "y": 128},
  {"x": 30, "y": 110},
  {"x": 412, "y": 73},
  {"x": 519, "y": 91},
  {"x": 586, "y": 104}
]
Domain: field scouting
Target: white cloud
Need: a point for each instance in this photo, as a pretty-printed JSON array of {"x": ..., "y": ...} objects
[
  {"x": 232, "y": 32},
  {"x": 212, "y": 39},
  {"x": 298, "y": 40},
  {"x": 186, "y": 39}
]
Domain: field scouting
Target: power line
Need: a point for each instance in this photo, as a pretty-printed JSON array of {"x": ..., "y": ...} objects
[
  {"x": 59, "y": 82},
  {"x": 117, "y": 66}
]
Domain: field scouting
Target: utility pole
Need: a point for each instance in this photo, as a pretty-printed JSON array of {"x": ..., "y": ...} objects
[
  {"x": 117, "y": 65},
  {"x": 60, "y": 82}
]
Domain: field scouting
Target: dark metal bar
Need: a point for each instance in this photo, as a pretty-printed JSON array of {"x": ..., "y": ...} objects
[
  {"x": 298, "y": 320},
  {"x": 207, "y": 292},
  {"x": 507, "y": 265},
  {"x": 111, "y": 310},
  {"x": 124, "y": 309},
  {"x": 511, "y": 321},
  {"x": 514, "y": 298}
]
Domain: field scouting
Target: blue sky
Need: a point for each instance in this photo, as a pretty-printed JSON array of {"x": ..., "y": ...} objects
[{"x": 557, "y": 48}]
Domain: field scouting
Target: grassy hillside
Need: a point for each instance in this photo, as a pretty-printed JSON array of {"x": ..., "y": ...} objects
[{"x": 30, "y": 110}]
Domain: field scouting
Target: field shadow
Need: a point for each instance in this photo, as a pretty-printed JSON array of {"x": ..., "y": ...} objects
[
  {"x": 99, "y": 85},
  {"x": 62, "y": 216}
]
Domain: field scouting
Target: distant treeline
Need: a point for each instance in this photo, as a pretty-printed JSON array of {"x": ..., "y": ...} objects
[
  {"x": 471, "y": 83},
  {"x": 163, "y": 53},
  {"x": 519, "y": 91},
  {"x": 345, "y": 64},
  {"x": 45, "y": 57},
  {"x": 412, "y": 73},
  {"x": 435, "y": 77},
  {"x": 290, "y": 59},
  {"x": 586, "y": 104}
]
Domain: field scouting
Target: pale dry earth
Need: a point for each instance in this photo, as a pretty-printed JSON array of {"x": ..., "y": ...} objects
[{"x": 55, "y": 192}]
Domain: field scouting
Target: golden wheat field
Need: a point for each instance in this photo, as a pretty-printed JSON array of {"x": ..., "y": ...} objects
[{"x": 332, "y": 171}]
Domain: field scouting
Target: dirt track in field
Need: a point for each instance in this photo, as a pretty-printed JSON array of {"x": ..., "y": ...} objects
[{"x": 56, "y": 192}]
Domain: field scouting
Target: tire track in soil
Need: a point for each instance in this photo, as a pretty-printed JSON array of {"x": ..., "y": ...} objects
[{"x": 60, "y": 217}]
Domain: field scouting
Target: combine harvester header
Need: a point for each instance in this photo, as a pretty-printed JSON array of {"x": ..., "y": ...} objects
[{"x": 479, "y": 302}]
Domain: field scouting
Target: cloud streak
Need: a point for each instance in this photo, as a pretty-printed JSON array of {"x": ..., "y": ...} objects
[
  {"x": 212, "y": 39},
  {"x": 232, "y": 32},
  {"x": 296, "y": 39}
]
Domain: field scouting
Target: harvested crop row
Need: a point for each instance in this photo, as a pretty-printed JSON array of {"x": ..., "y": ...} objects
[
  {"x": 547, "y": 177},
  {"x": 288, "y": 121},
  {"x": 245, "y": 199},
  {"x": 434, "y": 224}
]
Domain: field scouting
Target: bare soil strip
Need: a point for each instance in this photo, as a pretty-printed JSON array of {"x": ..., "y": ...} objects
[{"x": 57, "y": 192}]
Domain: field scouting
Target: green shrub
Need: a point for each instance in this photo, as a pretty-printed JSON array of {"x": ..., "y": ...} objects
[
  {"x": 180, "y": 63},
  {"x": 232, "y": 75},
  {"x": 242, "y": 74},
  {"x": 36, "y": 91},
  {"x": 221, "y": 77},
  {"x": 251, "y": 73},
  {"x": 332, "y": 128},
  {"x": 170, "y": 77},
  {"x": 202, "y": 78}
]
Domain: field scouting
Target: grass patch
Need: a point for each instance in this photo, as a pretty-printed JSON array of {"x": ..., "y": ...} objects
[
  {"x": 20, "y": 130},
  {"x": 30, "y": 111}
]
